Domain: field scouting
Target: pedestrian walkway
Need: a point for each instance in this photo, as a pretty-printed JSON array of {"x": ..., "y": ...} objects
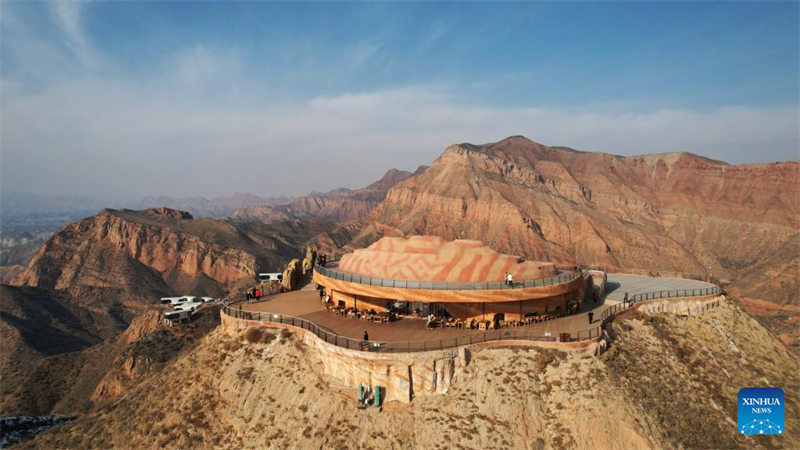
[{"x": 618, "y": 284}]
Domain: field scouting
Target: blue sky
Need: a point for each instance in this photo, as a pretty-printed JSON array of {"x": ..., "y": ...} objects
[{"x": 339, "y": 92}]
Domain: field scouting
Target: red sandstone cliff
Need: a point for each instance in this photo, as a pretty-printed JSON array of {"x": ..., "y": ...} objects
[
  {"x": 162, "y": 250},
  {"x": 668, "y": 212}
]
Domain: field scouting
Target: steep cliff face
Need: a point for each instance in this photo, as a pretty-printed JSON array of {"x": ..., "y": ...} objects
[
  {"x": 340, "y": 205},
  {"x": 114, "y": 249},
  {"x": 669, "y": 212},
  {"x": 163, "y": 250}
]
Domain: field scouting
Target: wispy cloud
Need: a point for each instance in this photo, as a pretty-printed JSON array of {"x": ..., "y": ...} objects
[
  {"x": 363, "y": 52},
  {"x": 118, "y": 138},
  {"x": 438, "y": 30},
  {"x": 201, "y": 124},
  {"x": 69, "y": 15}
]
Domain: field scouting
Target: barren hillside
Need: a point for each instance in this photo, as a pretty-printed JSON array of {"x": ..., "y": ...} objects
[
  {"x": 92, "y": 278},
  {"x": 667, "y": 382}
]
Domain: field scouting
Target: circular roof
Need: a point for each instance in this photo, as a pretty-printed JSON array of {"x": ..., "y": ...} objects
[{"x": 430, "y": 258}]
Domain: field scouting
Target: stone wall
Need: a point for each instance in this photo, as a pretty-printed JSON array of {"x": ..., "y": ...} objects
[
  {"x": 680, "y": 306},
  {"x": 403, "y": 375}
]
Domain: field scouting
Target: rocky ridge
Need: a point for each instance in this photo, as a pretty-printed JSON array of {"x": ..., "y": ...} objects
[{"x": 674, "y": 212}]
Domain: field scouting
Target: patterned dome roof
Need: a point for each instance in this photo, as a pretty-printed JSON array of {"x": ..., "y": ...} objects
[{"x": 430, "y": 258}]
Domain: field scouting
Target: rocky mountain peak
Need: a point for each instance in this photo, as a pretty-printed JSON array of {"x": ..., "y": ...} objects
[{"x": 169, "y": 212}]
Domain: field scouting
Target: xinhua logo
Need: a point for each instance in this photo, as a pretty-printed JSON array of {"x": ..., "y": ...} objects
[{"x": 760, "y": 411}]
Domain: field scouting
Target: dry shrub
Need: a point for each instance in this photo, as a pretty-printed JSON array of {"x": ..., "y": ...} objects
[
  {"x": 258, "y": 335},
  {"x": 231, "y": 345},
  {"x": 542, "y": 359},
  {"x": 245, "y": 372}
]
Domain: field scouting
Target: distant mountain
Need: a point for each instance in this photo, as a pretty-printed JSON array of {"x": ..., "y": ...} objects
[
  {"x": 338, "y": 205},
  {"x": 220, "y": 207}
]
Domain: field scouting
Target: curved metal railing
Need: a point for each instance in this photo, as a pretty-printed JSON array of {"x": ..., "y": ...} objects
[
  {"x": 520, "y": 333},
  {"x": 509, "y": 334},
  {"x": 445, "y": 285},
  {"x": 656, "y": 295},
  {"x": 675, "y": 293}
]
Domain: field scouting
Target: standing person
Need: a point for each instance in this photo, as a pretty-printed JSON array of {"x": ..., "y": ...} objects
[
  {"x": 625, "y": 300},
  {"x": 510, "y": 279},
  {"x": 366, "y": 341},
  {"x": 591, "y": 317}
]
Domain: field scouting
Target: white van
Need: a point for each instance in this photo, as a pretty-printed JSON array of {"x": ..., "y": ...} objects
[
  {"x": 165, "y": 300},
  {"x": 189, "y": 306},
  {"x": 173, "y": 317},
  {"x": 181, "y": 300},
  {"x": 276, "y": 276},
  {"x": 207, "y": 299}
]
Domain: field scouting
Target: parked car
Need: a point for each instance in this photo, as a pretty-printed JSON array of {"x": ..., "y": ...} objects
[{"x": 184, "y": 299}]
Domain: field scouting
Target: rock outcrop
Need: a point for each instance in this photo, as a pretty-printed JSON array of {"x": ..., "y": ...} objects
[
  {"x": 124, "y": 249},
  {"x": 291, "y": 275},
  {"x": 309, "y": 260}
]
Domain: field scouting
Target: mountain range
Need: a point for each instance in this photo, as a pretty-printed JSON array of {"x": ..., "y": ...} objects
[
  {"x": 74, "y": 298},
  {"x": 673, "y": 212}
]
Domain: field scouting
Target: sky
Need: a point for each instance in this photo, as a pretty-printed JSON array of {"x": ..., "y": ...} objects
[{"x": 135, "y": 98}]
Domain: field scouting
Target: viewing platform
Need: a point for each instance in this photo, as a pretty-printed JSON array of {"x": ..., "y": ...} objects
[{"x": 412, "y": 334}]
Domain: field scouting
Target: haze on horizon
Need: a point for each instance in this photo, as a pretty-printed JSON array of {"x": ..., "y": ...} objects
[{"x": 130, "y": 99}]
